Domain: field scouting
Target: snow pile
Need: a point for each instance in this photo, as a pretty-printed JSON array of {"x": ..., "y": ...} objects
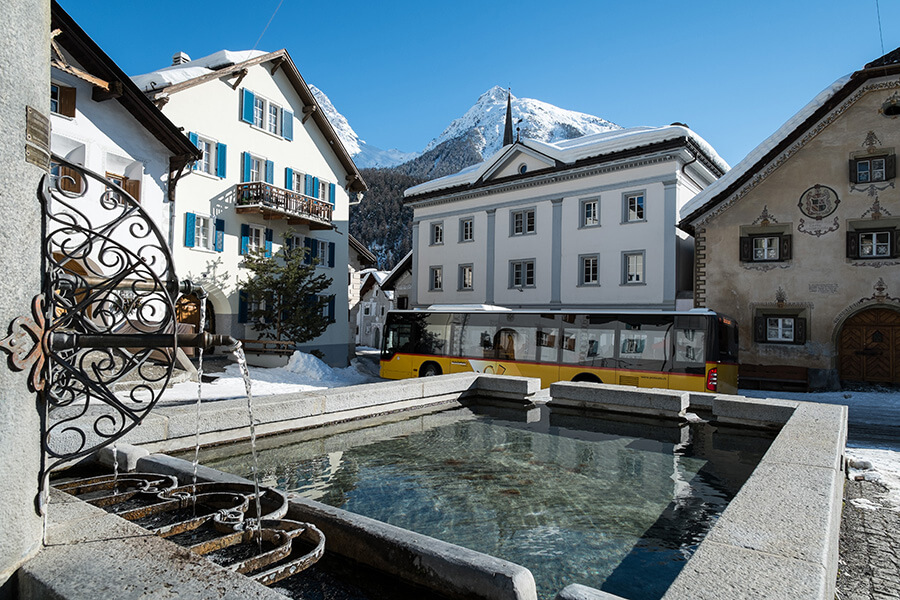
[
  {"x": 881, "y": 466},
  {"x": 178, "y": 73},
  {"x": 303, "y": 373}
]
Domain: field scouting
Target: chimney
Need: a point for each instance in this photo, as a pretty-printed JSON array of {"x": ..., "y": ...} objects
[{"x": 179, "y": 58}]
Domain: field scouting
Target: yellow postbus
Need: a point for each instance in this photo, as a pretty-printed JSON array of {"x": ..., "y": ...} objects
[{"x": 694, "y": 350}]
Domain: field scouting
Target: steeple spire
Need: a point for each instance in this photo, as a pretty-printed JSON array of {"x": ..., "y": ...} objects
[{"x": 508, "y": 129}]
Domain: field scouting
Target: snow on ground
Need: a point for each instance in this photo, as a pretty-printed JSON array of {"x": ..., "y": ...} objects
[
  {"x": 303, "y": 373},
  {"x": 882, "y": 466}
]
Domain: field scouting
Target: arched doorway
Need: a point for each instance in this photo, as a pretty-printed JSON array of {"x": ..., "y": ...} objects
[{"x": 869, "y": 347}]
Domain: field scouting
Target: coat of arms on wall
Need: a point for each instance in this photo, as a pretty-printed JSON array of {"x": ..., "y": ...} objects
[{"x": 818, "y": 202}]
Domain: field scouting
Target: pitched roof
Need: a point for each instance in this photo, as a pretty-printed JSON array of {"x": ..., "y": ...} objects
[
  {"x": 365, "y": 254},
  {"x": 161, "y": 83},
  {"x": 590, "y": 149},
  {"x": 775, "y": 144},
  {"x": 401, "y": 267},
  {"x": 97, "y": 63}
]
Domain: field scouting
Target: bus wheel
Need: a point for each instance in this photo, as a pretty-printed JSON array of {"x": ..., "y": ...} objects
[
  {"x": 587, "y": 377},
  {"x": 429, "y": 369}
]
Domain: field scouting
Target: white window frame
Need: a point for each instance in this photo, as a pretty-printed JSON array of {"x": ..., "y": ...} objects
[
  {"x": 204, "y": 232},
  {"x": 264, "y": 110},
  {"x": 634, "y": 207},
  {"x": 466, "y": 278},
  {"x": 299, "y": 182},
  {"x": 436, "y": 234},
  {"x": 522, "y": 273},
  {"x": 589, "y": 275},
  {"x": 257, "y": 167},
  {"x": 208, "y": 162},
  {"x": 324, "y": 191},
  {"x": 54, "y": 101},
  {"x": 467, "y": 229},
  {"x": 519, "y": 222},
  {"x": 323, "y": 253},
  {"x": 766, "y": 248},
  {"x": 634, "y": 267},
  {"x": 259, "y": 112},
  {"x": 592, "y": 206},
  {"x": 781, "y": 329},
  {"x": 875, "y": 241},
  {"x": 436, "y": 278},
  {"x": 256, "y": 238},
  {"x": 875, "y": 169}
]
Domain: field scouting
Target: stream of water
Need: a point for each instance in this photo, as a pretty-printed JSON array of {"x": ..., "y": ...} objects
[
  {"x": 202, "y": 303},
  {"x": 238, "y": 351}
]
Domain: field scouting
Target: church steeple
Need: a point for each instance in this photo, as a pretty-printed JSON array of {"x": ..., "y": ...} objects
[{"x": 508, "y": 129}]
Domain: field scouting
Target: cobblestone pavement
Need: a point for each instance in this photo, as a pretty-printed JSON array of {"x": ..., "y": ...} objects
[{"x": 869, "y": 562}]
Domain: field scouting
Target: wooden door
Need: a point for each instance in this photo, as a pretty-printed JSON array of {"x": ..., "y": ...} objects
[{"x": 870, "y": 347}]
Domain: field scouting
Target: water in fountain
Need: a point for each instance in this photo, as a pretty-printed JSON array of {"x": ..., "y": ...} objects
[
  {"x": 202, "y": 327},
  {"x": 238, "y": 351}
]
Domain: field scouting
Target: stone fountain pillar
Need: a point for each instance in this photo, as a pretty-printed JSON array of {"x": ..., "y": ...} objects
[{"x": 24, "y": 82}]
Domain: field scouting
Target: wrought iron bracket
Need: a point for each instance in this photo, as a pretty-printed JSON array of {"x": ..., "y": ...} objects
[{"x": 25, "y": 344}]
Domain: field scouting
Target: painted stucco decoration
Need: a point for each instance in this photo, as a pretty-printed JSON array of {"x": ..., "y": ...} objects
[
  {"x": 765, "y": 218},
  {"x": 876, "y": 211},
  {"x": 879, "y": 295},
  {"x": 818, "y": 202}
]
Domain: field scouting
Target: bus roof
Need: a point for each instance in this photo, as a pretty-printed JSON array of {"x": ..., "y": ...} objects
[{"x": 484, "y": 308}]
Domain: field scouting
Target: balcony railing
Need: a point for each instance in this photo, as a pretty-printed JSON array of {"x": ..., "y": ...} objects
[{"x": 276, "y": 202}]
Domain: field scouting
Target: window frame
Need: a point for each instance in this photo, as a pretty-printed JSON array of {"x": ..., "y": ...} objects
[
  {"x": 436, "y": 233},
  {"x": 461, "y": 273},
  {"x": 888, "y": 168},
  {"x": 625, "y": 267},
  {"x": 522, "y": 264},
  {"x": 436, "y": 278},
  {"x": 582, "y": 213},
  {"x": 798, "y": 327},
  {"x": 252, "y": 231},
  {"x": 582, "y": 270},
  {"x": 466, "y": 230},
  {"x": 626, "y": 206},
  {"x": 208, "y": 232},
  {"x": 524, "y": 213},
  {"x": 855, "y": 243}
]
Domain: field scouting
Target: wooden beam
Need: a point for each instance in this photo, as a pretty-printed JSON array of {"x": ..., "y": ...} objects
[
  {"x": 116, "y": 89},
  {"x": 277, "y": 63},
  {"x": 241, "y": 74},
  {"x": 307, "y": 113}
]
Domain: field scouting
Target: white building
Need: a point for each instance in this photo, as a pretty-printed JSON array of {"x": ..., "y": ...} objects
[
  {"x": 374, "y": 303},
  {"x": 589, "y": 222},
  {"x": 361, "y": 262},
  {"x": 100, "y": 120},
  {"x": 272, "y": 167}
]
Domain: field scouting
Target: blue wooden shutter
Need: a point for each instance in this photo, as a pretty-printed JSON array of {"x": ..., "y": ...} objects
[
  {"x": 270, "y": 172},
  {"x": 194, "y": 139},
  {"x": 289, "y": 243},
  {"x": 311, "y": 245},
  {"x": 245, "y": 175},
  {"x": 287, "y": 125},
  {"x": 245, "y": 238},
  {"x": 331, "y": 189},
  {"x": 288, "y": 178},
  {"x": 220, "y": 235},
  {"x": 330, "y": 254},
  {"x": 221, "y": 152},
  {"x": 315, "y": 188},
  {"x": 247, "y": 107},
  {"x": 331, "y": 309},
  {"x": 190, "y": 223},
  {"x": 269, "y": 235},
  {"x": 242, "y": 306},
  {"x": 307, "y": 185}
]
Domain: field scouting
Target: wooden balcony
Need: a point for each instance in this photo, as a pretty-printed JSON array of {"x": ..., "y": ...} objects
[{"x": 278, "y": 203}]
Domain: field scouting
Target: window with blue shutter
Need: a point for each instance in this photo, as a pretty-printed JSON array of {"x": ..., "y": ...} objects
[
  {"x": 190, "y": 224},
  {"x": 288, "y": 178},
  {"x": 194, "y": 139},
  {"x": 308, "y": 183},
  {"x": 245, "y": 238},
  {"x": 247, "y": 106},
  {"x": 242, "y": 306},
  {"x": 269, "y": 235},
  {"x": 287, "y": 125},
  {"x": 220, "y": 159},
  {"x": 245, "y": 173},
  {"x": 270, "y": 172},
  {"x": 219, "y": 244},
  {"x": 331, "y": 189},
  {"x": 330, "y": 254}
]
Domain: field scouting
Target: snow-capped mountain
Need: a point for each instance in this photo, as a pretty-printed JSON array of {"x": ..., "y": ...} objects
[
  {"x": 535, "y": 119},
  {"x": 363, "y": 154}
]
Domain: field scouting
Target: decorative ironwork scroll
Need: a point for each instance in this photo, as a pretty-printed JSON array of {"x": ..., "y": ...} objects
[{"x": 107, "y": 271}]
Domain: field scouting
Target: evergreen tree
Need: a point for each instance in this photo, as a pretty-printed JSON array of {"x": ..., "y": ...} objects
[{"x": 283, "y": 295}]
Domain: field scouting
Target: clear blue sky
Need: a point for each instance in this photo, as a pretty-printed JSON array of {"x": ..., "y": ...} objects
[{"x": 400, "y": 71}]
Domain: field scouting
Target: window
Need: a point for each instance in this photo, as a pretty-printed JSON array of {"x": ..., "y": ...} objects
[
  {"x": 589, "y": 215},
  {"x": 634, "y": 208},
  {"x": 257, "y": 169},
  {"x": 522, "y": 222},
  {"x": 633, "y": 268},
  {"x": 266, "y": 115},
  {"x": 466, "y": 281},
  {"x": 403, "y": 302},
  {"x": 366, "y": 310},
  {"x": 274, "y": 120},
  {"x": 436, "y": 279},
  {"x": 466, "y": 229},
  {"x": 780, "y": 329},
  {"x": 521, "y": 273},
  {"x": 873, "y": 168},
  {"x": 202, "y": 231},
  {"x": 766, "y": 247},
  {"x": 589, "y": 270},
  {"x": 324, "y": 259},
  {"x": 259, "y": 111},
  {"x": 255, "y": 238},
  {"x": 131, "y": 186},
  {"x": 437, "y": 234},
  {"x": 62, "y": 100},
  {"x": 205, "y": 163},
  {"x": 299, "y": 181},
  {"x": 869, "y": 244},
  {"x": 203, "y": 235}
]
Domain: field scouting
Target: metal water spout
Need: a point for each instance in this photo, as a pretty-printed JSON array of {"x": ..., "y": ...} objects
[{"x": 102, "y": 336}]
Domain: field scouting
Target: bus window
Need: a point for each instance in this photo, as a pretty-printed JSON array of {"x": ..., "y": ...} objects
[
  {"x": 644, "y": 345},
  {"x": 727, "y": 340},
  {"x": 398, "y": 338},
  {"x": 690, "y": 347},
  {"x": 473, "y": 335},
  {"x": 433, "y": 333},
  {"x": 588, "y": 340}
]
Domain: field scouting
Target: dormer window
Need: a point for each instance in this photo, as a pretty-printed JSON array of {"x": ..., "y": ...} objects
[{"x": 872, "y": 169}]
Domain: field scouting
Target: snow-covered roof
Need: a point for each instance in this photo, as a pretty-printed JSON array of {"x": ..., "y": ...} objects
[
  {"x": 763, "y": 149},
  {"x": 156, "y": 80},
  {"x": 570, "y": 151}
]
